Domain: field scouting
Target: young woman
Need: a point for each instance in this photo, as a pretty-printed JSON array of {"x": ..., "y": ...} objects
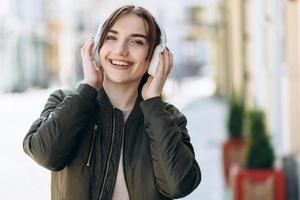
[{"x": 114, "y": 137}]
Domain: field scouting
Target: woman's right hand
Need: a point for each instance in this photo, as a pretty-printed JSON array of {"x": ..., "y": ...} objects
[{"x": 93, "y": 74}]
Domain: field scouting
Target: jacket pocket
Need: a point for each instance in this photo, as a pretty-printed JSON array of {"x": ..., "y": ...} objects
[{"x": 92, "y": 146}]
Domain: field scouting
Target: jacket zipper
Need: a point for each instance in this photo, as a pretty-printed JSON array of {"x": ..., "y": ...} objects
[
  {"x": 109, "y": 155},
  {"x": 88, "y": 163},
  {"x": 124, "y": 165}
]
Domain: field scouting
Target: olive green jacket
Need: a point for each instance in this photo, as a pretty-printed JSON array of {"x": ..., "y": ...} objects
[{"x": 79, "y": 135}]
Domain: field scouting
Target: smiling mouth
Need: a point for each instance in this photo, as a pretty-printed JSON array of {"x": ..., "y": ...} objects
[{"x": 120, "y": 63}]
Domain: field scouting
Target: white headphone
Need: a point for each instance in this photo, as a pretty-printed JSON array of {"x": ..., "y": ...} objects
[{"x": 155, "y": 58}]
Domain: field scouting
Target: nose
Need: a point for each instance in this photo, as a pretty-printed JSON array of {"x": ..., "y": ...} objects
[{"x": 123, "y": 49}]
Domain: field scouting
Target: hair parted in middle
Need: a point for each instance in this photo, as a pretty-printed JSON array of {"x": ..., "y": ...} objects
[{"x": 153, "y": 31}]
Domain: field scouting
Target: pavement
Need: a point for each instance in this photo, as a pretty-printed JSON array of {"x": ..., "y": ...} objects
[
  {"x": 21, "y": 178},
  {"x": 206, "y": 117}
]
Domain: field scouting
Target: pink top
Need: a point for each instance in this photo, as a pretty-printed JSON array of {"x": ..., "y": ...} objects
[{"x": 120, "y": 191}]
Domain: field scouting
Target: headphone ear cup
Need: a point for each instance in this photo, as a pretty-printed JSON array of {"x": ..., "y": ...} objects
[
  {"x": 96, "y": 45},
  {"x": 154, "y": 60},
  {"x": 158, "y": 49},
  {"x": 97, "y": 57},
  {"x": 96, "y": 51}
]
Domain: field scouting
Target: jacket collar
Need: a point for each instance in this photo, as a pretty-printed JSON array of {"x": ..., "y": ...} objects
[{"x": 106, "y": 106}]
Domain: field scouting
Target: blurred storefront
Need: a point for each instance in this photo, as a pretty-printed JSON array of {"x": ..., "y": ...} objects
[
  {"x": 22, "y": 45},
  {"x": 41, "y": 40},
  {"x": 261, "y": 49}
]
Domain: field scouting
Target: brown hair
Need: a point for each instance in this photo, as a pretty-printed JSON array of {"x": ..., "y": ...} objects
[{"x": 153, "y": 32}]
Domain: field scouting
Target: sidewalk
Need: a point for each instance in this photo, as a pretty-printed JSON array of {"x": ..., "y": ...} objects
[
  {"x": 206, "y": 127},
  {"x": 205, "y": 115},
  {"x": 20, "y": 177}
]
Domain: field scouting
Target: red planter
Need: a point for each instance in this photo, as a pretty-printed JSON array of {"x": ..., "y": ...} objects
[
  {"x": 257, "y": 184},
  {"x": 233, "y": 154}
]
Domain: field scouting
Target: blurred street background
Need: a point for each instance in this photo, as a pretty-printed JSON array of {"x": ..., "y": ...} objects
[{"x": 222, "y": 48}]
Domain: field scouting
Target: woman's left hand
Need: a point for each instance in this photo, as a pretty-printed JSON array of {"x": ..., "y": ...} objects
[{"x": 154, "y": 85}]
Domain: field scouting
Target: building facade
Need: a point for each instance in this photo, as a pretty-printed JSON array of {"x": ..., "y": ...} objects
[{"x": 262, "y": 58}]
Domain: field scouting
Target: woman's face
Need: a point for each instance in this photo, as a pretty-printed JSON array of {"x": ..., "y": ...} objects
[{"x": 124, "y": 50}]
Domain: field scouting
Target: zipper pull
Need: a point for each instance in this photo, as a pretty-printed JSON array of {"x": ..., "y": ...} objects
[{"x": 95, "y": 130}]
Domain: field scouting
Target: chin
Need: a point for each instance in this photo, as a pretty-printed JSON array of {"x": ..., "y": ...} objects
[{"x": 121, "y": 79}]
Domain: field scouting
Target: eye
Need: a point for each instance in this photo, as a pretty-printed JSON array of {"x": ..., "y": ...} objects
[
  {"x": 137, "y": 42},
  {"x": 110, "y": 37}
]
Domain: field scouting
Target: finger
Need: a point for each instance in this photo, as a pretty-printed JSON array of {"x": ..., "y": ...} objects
[
  {"x": 86, "y": 43},
  {"x": 83, "y": 48},
  {"x": 171, "y": 62},
  {"x": 150, "y": 78},
  {"x": 160, "y": 68},
  {"x": 167, "y": 61},
  {"x": 96, "y": 67},
  {"x": 89, "y": 49}
]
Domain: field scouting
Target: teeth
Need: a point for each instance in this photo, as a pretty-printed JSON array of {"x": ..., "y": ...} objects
[{"x": 117, "y": 62}]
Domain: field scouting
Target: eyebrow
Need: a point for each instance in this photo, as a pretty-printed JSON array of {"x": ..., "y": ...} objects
[{"x": 132, "y": 35}]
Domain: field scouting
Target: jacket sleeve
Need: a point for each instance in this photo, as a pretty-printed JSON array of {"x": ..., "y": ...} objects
[
  {"x": 176, "y": 170},
  {"x": 52, "y": 139}
]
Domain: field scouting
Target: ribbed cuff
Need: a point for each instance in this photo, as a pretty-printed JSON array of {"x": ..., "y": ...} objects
[{"x": 87, "y": 92}]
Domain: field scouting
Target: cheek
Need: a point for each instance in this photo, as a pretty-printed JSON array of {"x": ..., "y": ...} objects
[
  {"x": 145, "y": 66},
  {"x": 102, "y": 51},
  {"x": 105, "y": 49},
  {"x": 141, "y": 56},
  {"x": 103, "y": 54},
  {"x": 147, "y": 62}
]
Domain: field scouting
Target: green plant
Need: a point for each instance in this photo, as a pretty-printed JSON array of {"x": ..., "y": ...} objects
[
  {"x": 235, "y": 118},
  {"x": 260, "y": 153}
]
